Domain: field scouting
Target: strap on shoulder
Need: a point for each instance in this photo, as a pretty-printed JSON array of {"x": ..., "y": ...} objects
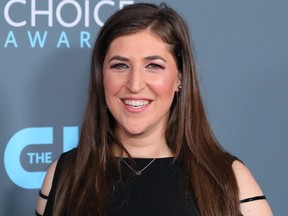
[
  {"x": 252, "y": 199},
  {"x": 43, "y": 195}
]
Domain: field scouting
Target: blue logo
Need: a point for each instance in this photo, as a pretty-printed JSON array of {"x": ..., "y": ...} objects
[{"x": 33, "y": 136}]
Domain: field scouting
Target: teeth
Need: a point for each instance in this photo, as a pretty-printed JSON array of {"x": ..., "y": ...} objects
[{"x": 136, "y": 103}]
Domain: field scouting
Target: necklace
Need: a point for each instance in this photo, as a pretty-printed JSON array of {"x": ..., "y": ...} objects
[{"x": 138, "y": 172}]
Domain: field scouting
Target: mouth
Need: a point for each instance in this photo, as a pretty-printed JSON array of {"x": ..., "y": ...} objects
[{"x": 136, "y": 104}]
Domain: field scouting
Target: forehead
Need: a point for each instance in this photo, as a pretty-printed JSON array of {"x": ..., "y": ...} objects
[{"x": 143, "y": 41}]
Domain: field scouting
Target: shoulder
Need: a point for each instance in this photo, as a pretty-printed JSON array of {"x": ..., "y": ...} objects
[
  {"x": 247, "y": 184},
  {"x": 46, "y": 187},
  {"x": 50, "y": 181},
  {"x": 47, "y": 183},
  {"x": 248, "y": 188},
  {"x": 54, "y": 171}
]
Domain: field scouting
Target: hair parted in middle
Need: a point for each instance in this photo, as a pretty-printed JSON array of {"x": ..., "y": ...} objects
[{"x": 188, "y": 133}]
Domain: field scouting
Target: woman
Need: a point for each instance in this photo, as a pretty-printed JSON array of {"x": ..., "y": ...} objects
[{"x": 146, "y": 147}]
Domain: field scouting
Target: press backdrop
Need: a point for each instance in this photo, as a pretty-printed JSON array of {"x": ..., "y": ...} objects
[{"x": 242, "y": 56}]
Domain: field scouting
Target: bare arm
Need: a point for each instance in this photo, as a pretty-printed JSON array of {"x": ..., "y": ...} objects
[
  {"x": 46, "y": 187},
  {"x": 249, "y": 188}
]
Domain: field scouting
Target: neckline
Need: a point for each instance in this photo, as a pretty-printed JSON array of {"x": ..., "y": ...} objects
[{"x": 144, "y": 159}]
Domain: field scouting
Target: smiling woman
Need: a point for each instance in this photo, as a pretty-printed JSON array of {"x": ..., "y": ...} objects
[
  {"x": 140, "y": 80},
  {"x": 146, "y": 147}
]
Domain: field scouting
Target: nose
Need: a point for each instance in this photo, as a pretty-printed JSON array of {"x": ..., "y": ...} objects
[{"x": 136, "y": 81}]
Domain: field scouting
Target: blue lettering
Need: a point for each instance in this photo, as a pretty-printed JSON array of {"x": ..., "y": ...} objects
[
  {"x": 63, "y": 40},
  {"x": 10, "y": 40},
  {"x": 84, "y": 39},
  {"x": 37, "y": 38}
]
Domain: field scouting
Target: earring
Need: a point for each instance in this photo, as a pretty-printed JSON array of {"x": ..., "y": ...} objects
[{"x": 179, "y": 87}]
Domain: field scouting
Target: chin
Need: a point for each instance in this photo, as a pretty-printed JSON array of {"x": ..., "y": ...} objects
[{"x": 134, "y": 131}]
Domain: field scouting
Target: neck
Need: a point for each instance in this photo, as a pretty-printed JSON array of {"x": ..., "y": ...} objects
[{"x": 141, "y": 146}]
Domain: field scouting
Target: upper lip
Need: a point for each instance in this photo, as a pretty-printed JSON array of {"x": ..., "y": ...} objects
[{"x": 136, "y": 98}]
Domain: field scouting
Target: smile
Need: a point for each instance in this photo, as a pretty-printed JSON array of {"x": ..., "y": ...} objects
[{"x": 136, "y": 104}]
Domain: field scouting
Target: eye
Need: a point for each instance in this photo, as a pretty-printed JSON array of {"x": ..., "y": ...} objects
[
  {"x": 119, "y": 66},
  {"x": 154, "y": 66}
]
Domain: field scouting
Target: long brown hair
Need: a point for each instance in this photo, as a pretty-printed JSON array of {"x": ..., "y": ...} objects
[{"x": 88, "y": 176}]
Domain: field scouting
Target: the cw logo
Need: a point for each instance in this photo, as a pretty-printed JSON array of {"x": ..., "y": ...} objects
[{"x": 33, "y": 136}]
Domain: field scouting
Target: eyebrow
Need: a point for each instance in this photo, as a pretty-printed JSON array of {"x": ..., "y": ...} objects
[
  {"x": 154, "y": 57},
  {"x": 121, "y": 58}
]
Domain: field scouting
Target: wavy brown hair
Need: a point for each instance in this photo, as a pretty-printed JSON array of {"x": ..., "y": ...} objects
[{"x": 91, "y": 171}]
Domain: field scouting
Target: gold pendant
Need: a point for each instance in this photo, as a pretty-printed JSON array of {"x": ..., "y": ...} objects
[{"x": 138, "y": 173}]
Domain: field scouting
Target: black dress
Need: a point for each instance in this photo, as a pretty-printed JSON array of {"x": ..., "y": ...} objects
[{"x": 156, "y": 192}]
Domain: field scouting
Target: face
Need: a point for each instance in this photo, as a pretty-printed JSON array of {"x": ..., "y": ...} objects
[{"x": 140, "y": 80}]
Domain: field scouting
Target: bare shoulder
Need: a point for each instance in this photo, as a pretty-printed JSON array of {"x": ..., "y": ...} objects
[
  {"x": 249, "y": 188},
  {"x": 46, "y": 187}
]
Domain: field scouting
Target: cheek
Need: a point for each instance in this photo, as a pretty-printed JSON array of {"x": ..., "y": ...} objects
[
  {"x": 109, "y": 87},
  {"x": 110, "y": 84},
  {"x": 165, "y": 86}
]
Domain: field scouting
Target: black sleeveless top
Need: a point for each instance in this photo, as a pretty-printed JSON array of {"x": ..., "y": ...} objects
[{"x": 155, "y": 192}]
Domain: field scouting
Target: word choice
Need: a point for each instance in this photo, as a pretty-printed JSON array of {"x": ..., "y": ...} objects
[{"x": 79, "y": 11}]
